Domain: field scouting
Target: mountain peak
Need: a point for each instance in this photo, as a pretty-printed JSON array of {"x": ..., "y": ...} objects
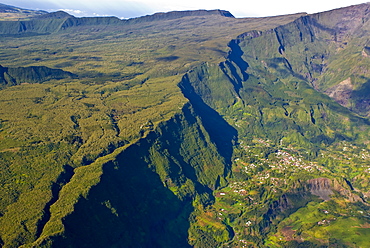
[
  {"x": 56, "y": 15},
  {"x": 200, "y": 12}
]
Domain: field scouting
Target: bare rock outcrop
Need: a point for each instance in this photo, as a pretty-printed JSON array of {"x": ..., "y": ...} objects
[
  {"x": 325, "y": 187},
  {"x": 321, "y": 187},
  {"x": 341, "y": 92}
]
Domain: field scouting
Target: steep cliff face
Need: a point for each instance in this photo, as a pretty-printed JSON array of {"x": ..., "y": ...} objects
[
  {"x": 145, "y": 194},
  {"x": 266, "y": 89},
  {"x": 52, "y": 23},
  {"x": 315, "y": 49},
  {"x": 33, "y": 74},
  {"x": 178, "y": 14},
  {"x": 320, "y": 187},
  {"x": 280, "y": 108}
]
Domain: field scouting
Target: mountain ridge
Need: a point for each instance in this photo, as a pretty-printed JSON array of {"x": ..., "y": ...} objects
[
  {"x": 33, "y": 74},
  {"x": 14, "y": 13},
  {"x": 37, "y": 23},
  {"x": 180, "y": 14}
]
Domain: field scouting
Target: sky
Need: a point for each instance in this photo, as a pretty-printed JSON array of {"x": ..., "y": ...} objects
[{"x": 136, "y": 8}]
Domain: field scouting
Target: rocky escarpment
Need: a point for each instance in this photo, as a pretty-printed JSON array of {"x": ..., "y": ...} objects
[
  {"x": 320, "y": 187},
  {"x": 342, "y": 23},
  {"x": 341, "y": 92},
  {"x": 315, "y": 49},
  {"x": 179, "y": 14},
  {"x": 34, "y": 74},
  {"x": 325, "y": 187}
]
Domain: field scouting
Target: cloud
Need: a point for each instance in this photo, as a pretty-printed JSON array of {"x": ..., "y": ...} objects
[
  {"x": 99, "y": 15},
  {"x": 74, "y": 11}
]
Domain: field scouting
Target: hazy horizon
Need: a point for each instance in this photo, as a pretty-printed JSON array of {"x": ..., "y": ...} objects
[{"x": 136, "y": 8}]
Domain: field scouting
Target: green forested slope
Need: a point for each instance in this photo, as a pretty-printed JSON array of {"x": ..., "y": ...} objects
[
  {"x": 294, "y": 143},
  {"x": 185, "y": 129}
]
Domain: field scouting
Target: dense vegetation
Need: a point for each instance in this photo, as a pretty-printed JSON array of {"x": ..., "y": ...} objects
[{"x": 185, "y": 129}]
